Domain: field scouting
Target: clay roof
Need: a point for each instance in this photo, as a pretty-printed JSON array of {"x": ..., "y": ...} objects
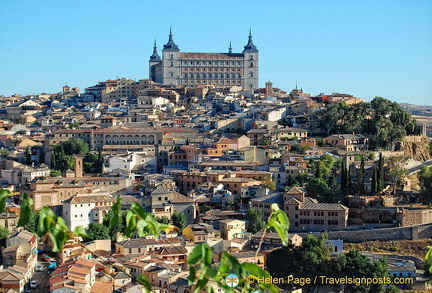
[
  {"x": 180, "y": 198},
  {"x": 101, "y": 287},
  {"x": 140, "y": 242},
  {"x": 90, "y": 198}
]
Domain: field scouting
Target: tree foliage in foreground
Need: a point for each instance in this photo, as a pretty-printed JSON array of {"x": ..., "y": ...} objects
[{"x": 142, "y": 223}]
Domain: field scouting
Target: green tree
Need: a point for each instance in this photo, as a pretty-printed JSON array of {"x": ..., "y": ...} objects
[
  {"x": 425, "y": 177},
  {"x": 255, "y": 221},
  {"x": 55, "y": 173},
  {"x": 396, "y": 170},
  {"x": 299, "y": 149},
  {"x": 98, "y": 231},
  {"x": 179, "y": 220},
  {"x": 54, "y": 160},
  {"x": 4, "y": 234},
  {"x": 307, "y": 260},
  {"x": 344, "y": 178},
  {"x": 75, "y": 146},
  {"x": 163, "y": 220},
  {"x": 33, "y": 222},
  {"x": 74, "y": 125},
  {"x": 356, "y": 264},
  {"x": 380, "y": 174},
  {"x": 269, "y": 184},
  {"x": 118, "y": 228},
  {"x": 360, "y": 186},
  {"x": 374, "y": 183},
  {"x": 318, "y": 188},
  {"x": 28, "y": 156}
]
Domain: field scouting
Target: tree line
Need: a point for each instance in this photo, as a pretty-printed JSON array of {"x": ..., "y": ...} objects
[
  {"x": 383, "y": 119},
  {"x": 62, "y": 157}
]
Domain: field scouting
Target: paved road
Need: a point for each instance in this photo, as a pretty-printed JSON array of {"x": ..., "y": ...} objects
[
  {"x": 417, "y": 168},
  {"x": 42, "y": 278}
]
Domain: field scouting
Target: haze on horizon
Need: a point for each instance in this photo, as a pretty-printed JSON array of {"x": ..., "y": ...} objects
[{"x": 364, "y": 48}]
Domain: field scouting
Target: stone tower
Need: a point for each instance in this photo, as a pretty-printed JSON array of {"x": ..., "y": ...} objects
[
  {"x": 250, "y": 64},
  {"x": 171, "y": 62},
  {"x": 154, "y": 60},
  {"x": 78, "y": 166}
]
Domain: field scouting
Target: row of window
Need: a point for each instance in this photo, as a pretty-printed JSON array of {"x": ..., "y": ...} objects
[
  {"x": 212, "y": 63},
  {"x": 319, "y": 222},
  {"x": 211, "y": 75},
  {"x": 211, "y": 69},
  {"x": 319, "y": 214},
  {"x": 199, "y": 81}
]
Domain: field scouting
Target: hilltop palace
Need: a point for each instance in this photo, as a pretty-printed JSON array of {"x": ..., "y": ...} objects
[{"x": 191, "y": 69}]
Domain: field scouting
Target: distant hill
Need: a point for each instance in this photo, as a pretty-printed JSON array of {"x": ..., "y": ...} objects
[{"x": 418, "y": 110}]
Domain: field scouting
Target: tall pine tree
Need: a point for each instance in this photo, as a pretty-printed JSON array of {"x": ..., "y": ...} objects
[
  {"x": 360, "y": 177},
  {"x": 380, "y": 174},
  {"x": 374, "y": 186}
]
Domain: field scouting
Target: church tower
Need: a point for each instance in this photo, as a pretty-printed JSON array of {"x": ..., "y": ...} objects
[
  {"x": 155, "y": 59},
  {"x": 250, "y": 64},
  {"x": 171, "y": 62}
]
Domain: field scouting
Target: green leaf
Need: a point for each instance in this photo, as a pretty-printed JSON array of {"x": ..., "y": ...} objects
[
  {"x": 4, "y": 193},
  {"x": 25, "y": 210},
  {"x": 279, "y": 221},
  {"x": 47, "y": 220},
  {"x": 192, "y": 275},
  {"x": 142, "y": 228},
  {"x": 212, "y": 274},
  {"x": 429, "y": 253},
  {"x": 131, "y": 223},
  {"x": 142, "y": 279},
  {"x": 116, "y": 208},
  {"x": 200, "y": 284},
  {"x": 80, "y": 231},
  {"x": 229, "y": 259},
  {"x": 138, "y": 210},
  {"x": 207, "y": 255},
  {"x": 196, "y": 254},
  {"x": 59, "y": 234},
  {"x": 253, "y": 270}
]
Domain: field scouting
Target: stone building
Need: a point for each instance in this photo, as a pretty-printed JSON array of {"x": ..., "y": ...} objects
[{"x": 192, "y": 69}]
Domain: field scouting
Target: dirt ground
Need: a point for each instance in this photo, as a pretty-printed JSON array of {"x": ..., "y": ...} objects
[{"x": 405, "y": 247}]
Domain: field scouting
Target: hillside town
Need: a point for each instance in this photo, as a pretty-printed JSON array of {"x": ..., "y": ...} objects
[{"x": 199, "y": 145}]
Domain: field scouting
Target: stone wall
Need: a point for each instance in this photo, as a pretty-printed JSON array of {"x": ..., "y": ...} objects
[{"x": 386, "y": 234}]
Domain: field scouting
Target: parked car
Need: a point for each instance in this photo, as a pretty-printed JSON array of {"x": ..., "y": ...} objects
[
  {"x": 39, "y": 268},
  {"x": 34, "y": 284}
]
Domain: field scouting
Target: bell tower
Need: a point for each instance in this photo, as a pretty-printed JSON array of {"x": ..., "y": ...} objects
[{"x": 250, "y": 53}]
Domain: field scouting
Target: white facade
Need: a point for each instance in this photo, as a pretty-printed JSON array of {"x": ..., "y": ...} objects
[
  {"x": 130, "y": 162},
  {"x": 83, "y": 209}
]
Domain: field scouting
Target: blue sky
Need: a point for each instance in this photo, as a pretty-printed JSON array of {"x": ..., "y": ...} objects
[{"x": 366, "y": 48}]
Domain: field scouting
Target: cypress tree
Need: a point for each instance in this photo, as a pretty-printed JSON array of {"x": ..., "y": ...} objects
[
  {"x": 380, "y": 174},
  {"x": 374, "y": 181},
  {"x": 360, "y": 177},
  {"x": 349, "y": 183},
  {"x": 344, "y": 179},
  {"x": 28, "y": 156},
  {"x": 53, "y": 161}
]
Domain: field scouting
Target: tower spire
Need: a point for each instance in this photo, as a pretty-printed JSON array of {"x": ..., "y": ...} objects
[
  {"x": 250, "y": 45},
  {"x": 170, "y": 35},
  {"x": 155, "y": 57},
  {"x": 171, "y": 45},
  {"x": 230, "y": 48}
]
